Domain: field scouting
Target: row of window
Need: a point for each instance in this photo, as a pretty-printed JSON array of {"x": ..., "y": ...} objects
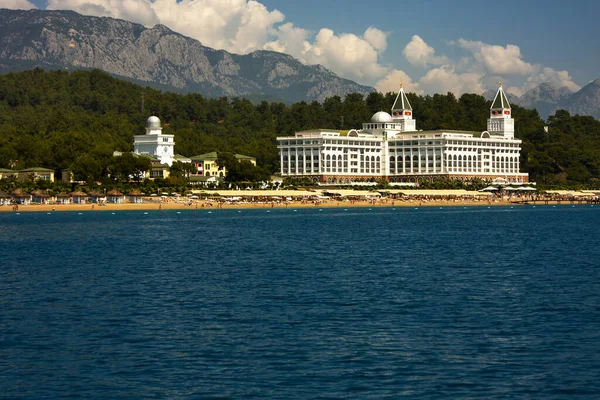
[
  {"x": 397, "y": 147},
  {"x": 465, "y": 150},
  {"x": 399, "y": 142},
  {"x": 482, "y": 143},
  {"x": 422, "y": 155},
  {"x": 382, "y": 126},
  {"x": 412, "y": 164},
  {"x": 418, "y": 166}
]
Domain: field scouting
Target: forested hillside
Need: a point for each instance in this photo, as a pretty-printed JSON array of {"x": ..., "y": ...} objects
[{"x": 77, "y": 119}]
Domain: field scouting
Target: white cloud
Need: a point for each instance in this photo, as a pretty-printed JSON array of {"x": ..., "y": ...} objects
[
  {"x": 376, "y": 38},
  {"x": 419, "y": 53},
  {"x": 139, "y": 11},
  {"x": 17, "y": 5},
  {"x": 557, "y": 79},
  {"x": 290, "y": 39},
  {"x": 238, "y": 26},
  {"x": 445, "y": 79},
  {"x": 346, "y": 54},
  {"x": 391, "y": 83},
  {"x": 497, "y": 59},
  {"x": 481, "y": 70}
]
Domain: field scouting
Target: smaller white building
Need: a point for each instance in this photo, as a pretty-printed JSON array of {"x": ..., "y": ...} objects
[{"x": 155, "y": 143}]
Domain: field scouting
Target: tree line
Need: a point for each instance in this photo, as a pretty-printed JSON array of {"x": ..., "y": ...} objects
[{"x": 76, "y": 120}]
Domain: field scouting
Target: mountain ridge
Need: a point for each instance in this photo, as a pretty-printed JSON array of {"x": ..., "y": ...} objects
[
  {"x": 158, "y": 55},
  {"x": 546, "y": 98}
]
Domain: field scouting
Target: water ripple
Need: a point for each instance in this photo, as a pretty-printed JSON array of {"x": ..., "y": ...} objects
[{"x": 426, "y": 303}]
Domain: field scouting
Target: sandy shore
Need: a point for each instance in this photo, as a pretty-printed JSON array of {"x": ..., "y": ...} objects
[{"x": 208, "y": 206}]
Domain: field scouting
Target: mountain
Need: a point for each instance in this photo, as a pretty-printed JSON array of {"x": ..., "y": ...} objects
[
  {"x": 546, "y": 98},
  {"x": 586, "y": 101},
  {"x": 158, "y": 57},
  {"x": 545, "y": 93}
]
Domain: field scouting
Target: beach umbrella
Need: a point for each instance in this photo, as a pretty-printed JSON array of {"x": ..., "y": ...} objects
[
  {"x": 509, "y": 188},
  {"x": 527, "y": 189},
  {"x": 489, "y": 189}
]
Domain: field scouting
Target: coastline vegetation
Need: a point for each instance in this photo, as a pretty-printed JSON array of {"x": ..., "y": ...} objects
[{"x": 76, "y": 120}]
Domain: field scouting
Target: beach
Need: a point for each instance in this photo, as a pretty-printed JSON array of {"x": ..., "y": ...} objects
[{"x": 202, "y": 205}]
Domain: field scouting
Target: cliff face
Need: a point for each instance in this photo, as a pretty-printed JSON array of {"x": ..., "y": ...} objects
[{"x": 65, "y": 39}]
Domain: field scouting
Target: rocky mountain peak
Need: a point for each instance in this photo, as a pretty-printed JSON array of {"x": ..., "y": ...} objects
[
  {"x": 67, "y": 40},
  {"x": 546, "y": 92},
  {"x": 586, "y": 101}
]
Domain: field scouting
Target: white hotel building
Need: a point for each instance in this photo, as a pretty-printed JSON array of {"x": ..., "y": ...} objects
[{"x": 390, "y": 147}]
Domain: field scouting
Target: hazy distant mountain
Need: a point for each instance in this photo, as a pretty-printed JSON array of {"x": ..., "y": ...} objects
[
  {"x": 158, "y": 56},
  {"x": 547, "y": 98},
  {"x": 586, "y": 101},
  {"x": 547, "y": 93}
]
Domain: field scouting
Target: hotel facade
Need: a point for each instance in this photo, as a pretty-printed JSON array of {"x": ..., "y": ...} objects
[{"x": 389, "y": 147}]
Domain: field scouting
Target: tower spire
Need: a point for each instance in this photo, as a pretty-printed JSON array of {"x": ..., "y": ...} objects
[
  {"x": 401, "y": 108},
  {"x": 500, "y": 121},
  {"x": 500, "y": 101}
]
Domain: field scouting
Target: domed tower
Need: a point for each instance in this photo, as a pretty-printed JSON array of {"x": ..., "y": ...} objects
[
  {"x": 153, "y": 126},
  {"x": 381, "y": 117},
  {"x": 501, "y": 122},
  {"x": 402, "y": 112},
  {"x": 154, "y": 143},
  {"x": 380, "y": 123}
]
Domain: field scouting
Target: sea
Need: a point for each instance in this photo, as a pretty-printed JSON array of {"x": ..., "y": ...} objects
[{"x": 417, "y": 302}]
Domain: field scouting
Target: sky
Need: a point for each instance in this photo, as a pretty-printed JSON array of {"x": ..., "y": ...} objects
[{"x": 431, "y": 46}]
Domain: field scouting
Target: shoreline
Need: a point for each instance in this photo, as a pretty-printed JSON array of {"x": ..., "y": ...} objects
[{"x": 218, "y": 206}]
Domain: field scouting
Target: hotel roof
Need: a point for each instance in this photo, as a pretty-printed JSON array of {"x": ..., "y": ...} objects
[
  {"x": 37, "y": 169},
  {"x": 213, "y": 156}
]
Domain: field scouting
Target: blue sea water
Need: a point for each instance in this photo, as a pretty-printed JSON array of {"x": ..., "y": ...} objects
[{"x": 421, "y": 302}]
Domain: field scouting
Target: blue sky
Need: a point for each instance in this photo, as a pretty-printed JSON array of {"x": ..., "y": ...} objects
[{"x": 432, "y": 46}]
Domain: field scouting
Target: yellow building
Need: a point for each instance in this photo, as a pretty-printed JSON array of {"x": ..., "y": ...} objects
[
  {"x": 36, "y": 173},
  {"x": 206, "y": 164},
  {"x": 7, "y": 173}
]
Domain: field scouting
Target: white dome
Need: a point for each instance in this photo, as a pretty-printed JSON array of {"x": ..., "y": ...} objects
[
  {"x": 153, "y": 122},
  {"x": 381, "y": 116}
]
